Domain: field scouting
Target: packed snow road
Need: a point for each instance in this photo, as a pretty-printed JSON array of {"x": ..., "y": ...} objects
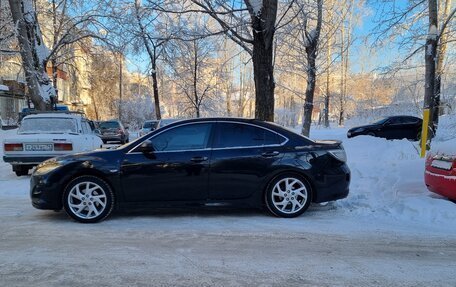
[{"x": 390, "y": 231}]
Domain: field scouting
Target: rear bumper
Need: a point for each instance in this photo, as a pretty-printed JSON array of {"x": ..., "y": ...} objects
[
  {"x": 112, "y": 138},
  {"x": 441, "y": 184},
  {"x": 332, "y": 185},
  {"x": 27, "y": 160}
]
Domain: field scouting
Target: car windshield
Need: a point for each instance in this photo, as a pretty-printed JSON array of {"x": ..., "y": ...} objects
[
  {"x": 149, "y": 125},
  {"x": 48, "y": 125},
  {"x": 380, "y": 121},
  {"x": 109, "y": 125}
]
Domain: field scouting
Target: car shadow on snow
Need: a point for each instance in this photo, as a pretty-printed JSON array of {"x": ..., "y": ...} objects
[{"x": 187, "y": 212}]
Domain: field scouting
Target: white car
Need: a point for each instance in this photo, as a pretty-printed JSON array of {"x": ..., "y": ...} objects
[
  {"x": 148, "y": 127},
  {"x": 45, "y": 135}
]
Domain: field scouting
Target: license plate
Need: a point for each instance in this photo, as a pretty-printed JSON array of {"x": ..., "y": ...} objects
[
  {"x": 442, "y": 164},
  {"x": 38, "y": 147}
]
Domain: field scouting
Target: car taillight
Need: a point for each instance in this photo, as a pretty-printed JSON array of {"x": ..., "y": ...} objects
[
  {"x": 14, "y": 147},
  {"x": 63, "y": 146}
]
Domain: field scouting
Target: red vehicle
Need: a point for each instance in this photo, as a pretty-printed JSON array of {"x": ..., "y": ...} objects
[{"x": 440, "y": 174}]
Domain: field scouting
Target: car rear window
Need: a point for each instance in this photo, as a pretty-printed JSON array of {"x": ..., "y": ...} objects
[
  {"x": 109, "y": 125},
  {"x": 148, "y": 125},
  {"x": 48, "y": 125}
]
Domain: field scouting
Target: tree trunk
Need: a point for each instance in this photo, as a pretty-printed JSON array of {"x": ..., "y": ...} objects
[
  {"x": 430, "y": 57},
  {"x": 440, "y": 60},
  {"x": 195, "y": 80},
  {"x": 311, "y": 53},
  {"x": 342, "y": 77},
  {"x": 263, "y": 26},
  {"x": 311, "y": 80},
  {"x": 152, "y": 52},
  {"x": 329, "y": 64},
  {"x": 33, "y": 54},
  {"x": 155, "y": 90}
]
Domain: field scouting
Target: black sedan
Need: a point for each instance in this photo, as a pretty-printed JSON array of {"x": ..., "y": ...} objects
[
  {"x": 397, "y": 127},
  {"x": 212, "y": 162}
]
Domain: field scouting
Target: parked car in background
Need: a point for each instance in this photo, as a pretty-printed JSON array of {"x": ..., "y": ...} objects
[
  {"x": 213, "y": 162},
  {"x": 29, "y": 111},
  {"x": 113, "y": 131},
  {"x": 165, "y": 122},
  {"x": 440, "y": 174},
  {"x": 48, "y": 134},
  {"x": 396, "y": 127},
  {"x": 148, "y": 126}
]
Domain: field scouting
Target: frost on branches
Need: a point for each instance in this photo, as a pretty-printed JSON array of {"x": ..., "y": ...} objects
[{"x": 33, "y": 53}]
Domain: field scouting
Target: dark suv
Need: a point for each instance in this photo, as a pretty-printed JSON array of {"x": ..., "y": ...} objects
[{"x": 113, "y": 131}]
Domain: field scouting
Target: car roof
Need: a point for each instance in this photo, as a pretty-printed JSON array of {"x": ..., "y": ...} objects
[
  {"x": 266, "y": 124},
  {"x": 54, "y": 115}
]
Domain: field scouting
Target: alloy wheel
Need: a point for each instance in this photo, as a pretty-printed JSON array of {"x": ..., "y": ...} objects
[
  {"x": 289, "y": 195},
  {"x": 87, "y": 200}
]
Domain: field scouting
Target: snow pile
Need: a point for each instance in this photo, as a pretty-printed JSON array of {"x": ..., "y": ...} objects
[
  {"x": 444, "y": 141},
  {"x": 388, "y": 181},
  {"x": 4, "y": 88}
]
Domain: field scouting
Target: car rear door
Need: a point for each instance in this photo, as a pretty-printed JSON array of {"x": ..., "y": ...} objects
[
  {"x": 242, "y": 155},
  {"x": 177, "y": 170}
]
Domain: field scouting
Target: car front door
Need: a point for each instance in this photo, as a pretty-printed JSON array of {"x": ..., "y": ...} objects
[
  {"x": 176, "y": 169},
  {"x": 242, "y": 155}
]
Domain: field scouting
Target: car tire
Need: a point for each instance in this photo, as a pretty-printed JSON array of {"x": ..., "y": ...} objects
[
  {"x": 88, "y": 199},
  {"x": 20, "y": 170},
  {"x": 288, "y": 195}
]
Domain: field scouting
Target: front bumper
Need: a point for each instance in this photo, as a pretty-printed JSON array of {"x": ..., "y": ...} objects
[{"x": 43, "y": 194}]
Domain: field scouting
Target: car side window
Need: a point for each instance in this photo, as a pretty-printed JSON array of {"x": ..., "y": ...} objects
[
  {"x": 395, "y": 121},
  {"x": 240, "y": 135},
  {"x": 188, "y": 137},
  {"x": 85, "y": 128},
  {"x": 409, "y": 120}
]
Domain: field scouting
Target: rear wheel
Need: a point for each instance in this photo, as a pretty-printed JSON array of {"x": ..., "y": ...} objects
[
  {"x": 88, "y": 199},
  {"x": 288, "y": 195},
  {"x": 20, "y": 170}
]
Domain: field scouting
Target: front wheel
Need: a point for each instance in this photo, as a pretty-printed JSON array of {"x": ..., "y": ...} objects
[
  {"x": 288, "y": 195},
  {"x": 88, "y": 199}
]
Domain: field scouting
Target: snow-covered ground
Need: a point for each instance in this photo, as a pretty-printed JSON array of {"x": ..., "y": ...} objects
[{"x": 390, "y": 231}]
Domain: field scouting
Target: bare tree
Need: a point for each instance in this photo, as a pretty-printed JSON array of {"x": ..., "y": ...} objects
[
  {"x": 33, "y": 52},
  {"x": 255, "y": 35},
  {"x": 310, "y": 40}
]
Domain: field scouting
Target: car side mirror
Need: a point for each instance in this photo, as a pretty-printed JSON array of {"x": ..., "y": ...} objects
[{"x": 147, "y": 147}]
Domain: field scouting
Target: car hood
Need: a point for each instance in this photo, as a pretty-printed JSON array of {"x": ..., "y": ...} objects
[{"x": 88, "y": 156}]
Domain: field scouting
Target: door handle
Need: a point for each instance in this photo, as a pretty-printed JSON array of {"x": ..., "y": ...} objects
[
  {"x": 199, "y": 159},
  {"x": 270, "y": 153}
]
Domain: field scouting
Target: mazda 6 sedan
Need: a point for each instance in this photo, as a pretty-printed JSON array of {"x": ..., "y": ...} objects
[{"x": 203, "y": 162}]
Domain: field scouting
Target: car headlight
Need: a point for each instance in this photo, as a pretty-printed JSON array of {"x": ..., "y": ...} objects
[{"x": 46, "y": 167}]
